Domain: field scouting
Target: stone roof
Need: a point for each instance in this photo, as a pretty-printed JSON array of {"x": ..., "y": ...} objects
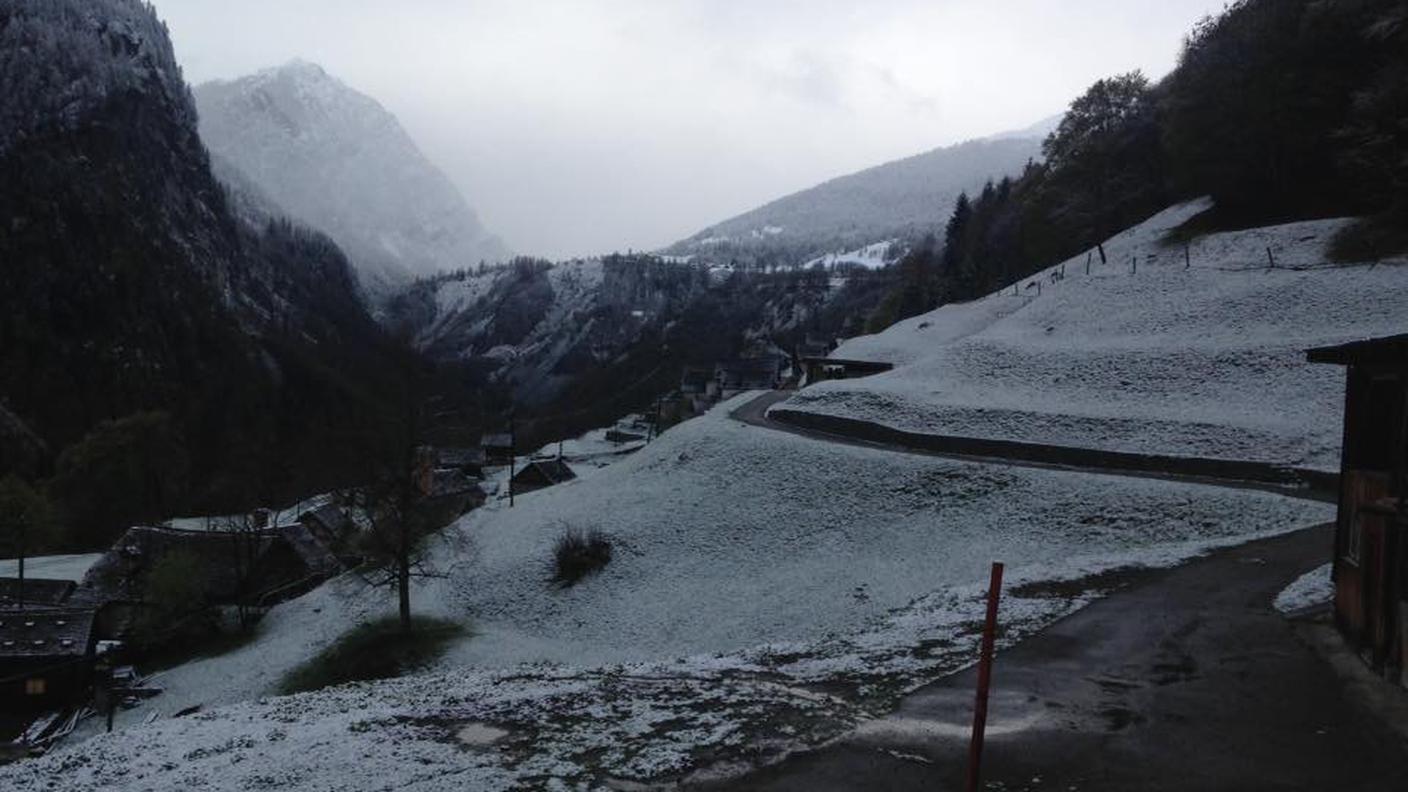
[
  {"x": 37, "y": 591},
  {"x": 48, "y": 633}
]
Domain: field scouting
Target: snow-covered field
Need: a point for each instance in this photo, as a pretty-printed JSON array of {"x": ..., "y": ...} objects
[
  {"x": 1307, "y": 591},
  {"x": 56, "y": 567},
  {"x": 871, "y": 256},
  {"x": 766, "y": 591},
  {"x": 1203, "y": 361}
]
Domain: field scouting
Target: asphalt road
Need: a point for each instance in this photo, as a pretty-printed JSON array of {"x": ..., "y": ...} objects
[{"x": 1186, "y": 680}]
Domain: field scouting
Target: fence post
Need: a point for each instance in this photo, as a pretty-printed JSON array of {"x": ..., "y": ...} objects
[
  {"x": 1134, "y": 264},
  {"x": 1088, "y": 257},
  {"x": 980, "y": 706},
  {"x": 1187, "y": 260},
  {"x": 1270, "y": 258}
]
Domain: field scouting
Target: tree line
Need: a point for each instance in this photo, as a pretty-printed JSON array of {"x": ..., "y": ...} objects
[{"x": 1278, "y": 109}]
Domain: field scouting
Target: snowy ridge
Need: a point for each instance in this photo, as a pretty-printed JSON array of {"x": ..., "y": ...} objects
[
  {"x": 903, "y": 198},
  {"x": 1143, "y": 354},
  {"x": 338, "y": 161}
]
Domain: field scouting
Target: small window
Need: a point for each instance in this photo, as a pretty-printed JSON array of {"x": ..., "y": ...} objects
[{"x": 35, "y": 687}]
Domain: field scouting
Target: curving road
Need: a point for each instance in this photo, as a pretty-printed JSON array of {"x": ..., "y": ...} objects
[{"x": 1223, "y": 473}]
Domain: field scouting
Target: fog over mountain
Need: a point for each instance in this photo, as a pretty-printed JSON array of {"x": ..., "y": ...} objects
[
  {"x": 901, "y": 199},
  {"x": 335, "y": 159}
]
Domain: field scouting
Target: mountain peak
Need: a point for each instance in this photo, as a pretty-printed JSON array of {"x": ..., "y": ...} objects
[{"x": 337, "y": 160}]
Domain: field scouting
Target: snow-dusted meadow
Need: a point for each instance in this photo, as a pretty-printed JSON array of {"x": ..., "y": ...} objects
[
  {"x": 766, "y": 591},
  {"x": 1206, "y": 360}
]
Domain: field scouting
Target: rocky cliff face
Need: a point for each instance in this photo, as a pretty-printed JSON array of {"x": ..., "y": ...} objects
[
  {"x": 126, "y": 281},
  {"x": 336, "y": 160}
]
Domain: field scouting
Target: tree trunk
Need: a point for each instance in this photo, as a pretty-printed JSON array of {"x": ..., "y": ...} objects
[{"x": 403, "y": 589}]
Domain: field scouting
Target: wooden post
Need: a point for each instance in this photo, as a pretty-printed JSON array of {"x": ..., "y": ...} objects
[
  {"x": 1088, "y": 256},
  {"x": 512, "y": 455},
  {"x": 1270, "y": 258},
  {"x": 1134, "y": 265},
  {"x": 1101, "y": 247},
  {"x": 980, "y": 706}
]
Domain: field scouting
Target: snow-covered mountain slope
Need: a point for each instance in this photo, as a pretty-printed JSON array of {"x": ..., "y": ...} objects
[
  {"x": 544, "y": 330},
  {"x": 338, "y": 161},
  {"x": 905, "y": 198},
  {"x": 751, "y": 569},
  {"x": 1207, "y": 360}
]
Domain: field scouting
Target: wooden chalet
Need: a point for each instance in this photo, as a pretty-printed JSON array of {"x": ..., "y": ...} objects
[
  {"x": 45, "y": 657},
  {"x": 498, "y": 448},
  {"x": 819, "y": 369},
  {"x": 260, "y": 568},
  {"x": 540, "y": 473},
  {"x": 747, "y": 374},
  {"x": 1370, "y": 569}
]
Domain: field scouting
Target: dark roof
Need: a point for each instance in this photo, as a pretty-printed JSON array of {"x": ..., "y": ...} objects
[
  {"x": 553, "y": 471},
  {"x": 695, "y": 378},
  {"x": 49, "y": 633},
  {"x": 37, "y": 591},
  {"x": 329, "y": 524},
  {"x": 120, "y": 574},
  {"x": 747, "y": 370},
  {"x": 445, "y": 482},
  {"x": 458, "y": 457},
  {"x": 1389, "y": 350},
  {"x": 852, "y": 365},
  {"x": 315, "y": 553}
]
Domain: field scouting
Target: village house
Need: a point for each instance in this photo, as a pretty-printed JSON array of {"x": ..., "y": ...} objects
[
  {"x": 540, "y": 473},
  {"x": 820, "y": 369},
  {"x": 1370, "y": 565},
  {"x": 45, "y": 658},
  {"x": 259, "y": 568},
  {"x": 446, "y": 486},
  {"x": 698, "y": 386},
  {"x": 747, "y": 374},
  {"x": 498, "y": 448}
]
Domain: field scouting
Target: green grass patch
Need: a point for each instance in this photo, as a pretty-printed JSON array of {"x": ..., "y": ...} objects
[{"x": 375, "y": 650}]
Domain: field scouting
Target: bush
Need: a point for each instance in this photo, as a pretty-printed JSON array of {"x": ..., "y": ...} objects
[
  {"x": 375, "y": 650},
  {"x": 577, "y": 554}
]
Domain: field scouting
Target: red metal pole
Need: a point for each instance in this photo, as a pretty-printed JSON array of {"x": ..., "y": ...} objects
[{"x": 980, "y": 707}]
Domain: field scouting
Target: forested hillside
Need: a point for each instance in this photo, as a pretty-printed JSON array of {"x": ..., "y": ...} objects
[
  {"x": 158, "y": 353},
  {"x": 1278, "y": 109}
]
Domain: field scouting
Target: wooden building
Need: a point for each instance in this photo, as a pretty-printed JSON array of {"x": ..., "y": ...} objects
[
  {"x": 748, "y": 374},
  {"x": 498, "y": 448},
  {"x": 1371, "y": 536},
  {"x": 540, "y": 473},
  {"x": 45, "y": 658},
  {"x": 820, "y": 369}
]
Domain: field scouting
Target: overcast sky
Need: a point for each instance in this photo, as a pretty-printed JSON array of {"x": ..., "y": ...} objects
[{"x": 586, "y": 126}]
